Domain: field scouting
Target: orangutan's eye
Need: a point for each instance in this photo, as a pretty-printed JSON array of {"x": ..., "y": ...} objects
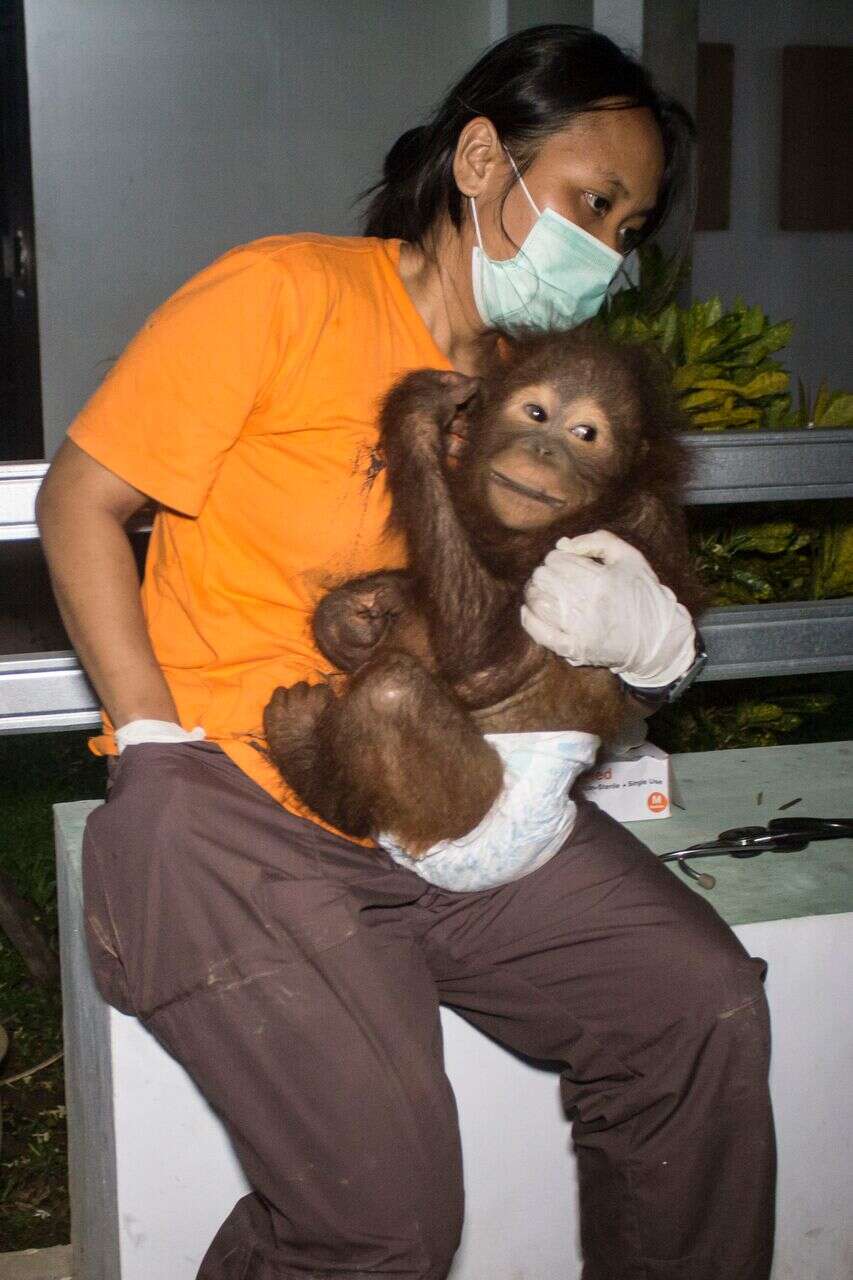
[
  {"x": 585, "y": 431},
  {"x": 536, "y": 412}
]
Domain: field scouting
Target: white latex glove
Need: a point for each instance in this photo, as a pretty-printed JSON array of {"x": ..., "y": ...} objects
[
  {"x": 137, "y": 731},
  {"x": 615, "y": 614}
]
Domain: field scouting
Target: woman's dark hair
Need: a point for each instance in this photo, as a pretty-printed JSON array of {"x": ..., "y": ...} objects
[{"x": 529, "y": 85}]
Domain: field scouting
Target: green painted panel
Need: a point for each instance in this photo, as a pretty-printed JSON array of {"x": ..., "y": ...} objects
[{"x": 722, "y": 789}]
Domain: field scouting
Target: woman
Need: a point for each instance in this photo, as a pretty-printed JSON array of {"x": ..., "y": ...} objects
[{"x": 296, "y": 974}]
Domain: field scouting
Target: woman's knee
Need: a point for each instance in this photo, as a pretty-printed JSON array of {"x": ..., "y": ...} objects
[
  {"x": 422, "y": 1248},
  {"x": 694, "y": 982},
  {"x": 721, "y": 1021},
  {"x": 718, "y": 974}
]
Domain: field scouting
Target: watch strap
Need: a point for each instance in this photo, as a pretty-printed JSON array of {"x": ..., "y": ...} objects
[{"x": 661, "y": 694}]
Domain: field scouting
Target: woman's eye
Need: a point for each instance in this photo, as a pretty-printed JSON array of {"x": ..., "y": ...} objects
[
  {"x": 599, "y": 204},
  {"x": 536, "y": 412},
  {"x": 585, "y": 431}
]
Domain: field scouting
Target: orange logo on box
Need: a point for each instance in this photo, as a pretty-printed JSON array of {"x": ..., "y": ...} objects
[{"x": 657, "y": 802}]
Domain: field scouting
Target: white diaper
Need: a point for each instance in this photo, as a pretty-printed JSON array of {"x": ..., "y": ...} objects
[{"x": 527, "y": 824}]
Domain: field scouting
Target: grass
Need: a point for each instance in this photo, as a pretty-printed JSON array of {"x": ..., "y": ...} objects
[{"x": 36, "y": 772}]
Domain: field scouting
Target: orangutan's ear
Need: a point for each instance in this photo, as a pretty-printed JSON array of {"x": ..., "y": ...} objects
[
  {"x": 503, "y": 346},
  {"x": 494, "y": 351}
]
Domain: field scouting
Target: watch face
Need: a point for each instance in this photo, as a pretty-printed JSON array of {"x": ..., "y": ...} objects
[
  {"x": 667, "y": 692},
  {"x": 676, "y": 689}
]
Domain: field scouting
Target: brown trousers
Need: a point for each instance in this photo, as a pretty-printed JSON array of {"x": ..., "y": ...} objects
[{"x": 298, "y": 978}]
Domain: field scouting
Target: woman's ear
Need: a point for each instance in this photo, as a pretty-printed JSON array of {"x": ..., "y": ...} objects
[{"x": 478, "y": 152}]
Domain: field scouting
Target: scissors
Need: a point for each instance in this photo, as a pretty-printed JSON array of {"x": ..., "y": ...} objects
[{"x": 780, "y": 834}]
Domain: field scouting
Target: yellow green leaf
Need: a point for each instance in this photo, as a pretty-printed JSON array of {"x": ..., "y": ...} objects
[
  {"x": 765, "y": 384},
  {"x": 762, "y": 712},
  {"x": 772, "y": 537},
  {"x": 717, "y": 384},
  {"x": 698, "y": 398},
  {"x": 834, "y": 575},
  {"x": 821, "y": 403},
  {"x": 838, "y": 411},
  {"x": 665, "y": 328},
  {"x": 727, "y": 417},
  {"x": 687, "y": 375}
]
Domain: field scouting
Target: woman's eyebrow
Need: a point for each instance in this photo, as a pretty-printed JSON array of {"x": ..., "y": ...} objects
[{"x": 615, "y": 181}]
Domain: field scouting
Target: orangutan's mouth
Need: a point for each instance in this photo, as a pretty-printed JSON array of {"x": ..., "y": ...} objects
[{"x": 536, "y": 494}]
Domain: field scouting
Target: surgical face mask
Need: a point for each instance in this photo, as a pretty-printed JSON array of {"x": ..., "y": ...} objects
[{"x": 558, "y": 278}]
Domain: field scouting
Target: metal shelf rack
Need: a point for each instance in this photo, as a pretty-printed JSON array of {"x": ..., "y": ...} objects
[
  {"x": 46, "y": 691},
  {"x": 770, "y": 466}
]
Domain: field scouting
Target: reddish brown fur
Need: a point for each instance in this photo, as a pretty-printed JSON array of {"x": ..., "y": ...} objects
[
  {"x": 634, "y": 383},
  {"x": 438, "y": 654}
]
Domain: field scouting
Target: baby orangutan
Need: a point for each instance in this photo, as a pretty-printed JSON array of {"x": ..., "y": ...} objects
[{"x": 563, "y": 434}]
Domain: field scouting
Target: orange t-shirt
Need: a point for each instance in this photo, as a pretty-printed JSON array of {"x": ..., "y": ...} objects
[{"x": 246, "y": 407}]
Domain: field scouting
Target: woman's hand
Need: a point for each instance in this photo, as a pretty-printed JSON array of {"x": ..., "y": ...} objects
[
  {"x": 597, "y": 602},
  {"x": 137, "y": 732}
]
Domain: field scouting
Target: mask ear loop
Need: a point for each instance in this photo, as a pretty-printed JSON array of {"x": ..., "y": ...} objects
[
  {"x": 523, "y": 184},
  {"x": 472, "y": 200},
  {"x": 530, "y": 200}
]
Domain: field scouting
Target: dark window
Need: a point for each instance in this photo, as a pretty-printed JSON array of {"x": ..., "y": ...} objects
[{"x": 21, "y": 434}]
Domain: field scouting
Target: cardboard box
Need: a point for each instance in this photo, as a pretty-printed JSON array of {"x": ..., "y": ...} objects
[{"x": 634, "y": 785}]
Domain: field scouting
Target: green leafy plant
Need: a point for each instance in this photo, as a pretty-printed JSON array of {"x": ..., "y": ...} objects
[
  {"x": 775, "y": 560},
  {"x": 699, "y": 725},
  {"x": 829, "y": 409},
  {"x": 723, "y": 361},
  {"x": 833, "y": 574},
  {"x": 727, "y": 375}
]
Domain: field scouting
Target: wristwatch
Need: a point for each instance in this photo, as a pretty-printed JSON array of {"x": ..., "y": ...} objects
[{"x": 669, "y": 692}]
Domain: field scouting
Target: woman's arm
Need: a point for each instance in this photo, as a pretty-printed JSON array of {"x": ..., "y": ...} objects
[{"x": 82, "y": 509}]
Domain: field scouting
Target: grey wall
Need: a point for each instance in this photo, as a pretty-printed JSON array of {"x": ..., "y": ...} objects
[
  {"x": 530, "y": 13},
  {"x": 622, "y": 21},
  {"x": 166, "y": 131},
  {"x": 805, "y": 277}
]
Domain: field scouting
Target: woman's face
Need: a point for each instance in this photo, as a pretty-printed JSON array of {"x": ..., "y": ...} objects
[{"x": 602, "y": 171}]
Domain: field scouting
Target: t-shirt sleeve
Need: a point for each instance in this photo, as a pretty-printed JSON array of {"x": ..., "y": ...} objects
[{"x": 178, "y": 398}]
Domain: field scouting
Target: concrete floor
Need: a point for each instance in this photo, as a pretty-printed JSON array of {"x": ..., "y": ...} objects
[{"x": 37, "y": 1264}]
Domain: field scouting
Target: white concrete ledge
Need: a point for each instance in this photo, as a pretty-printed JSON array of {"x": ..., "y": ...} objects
[
  {"x": 37, "y": 1264},
  {"x": 143, "y": 1141}
]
